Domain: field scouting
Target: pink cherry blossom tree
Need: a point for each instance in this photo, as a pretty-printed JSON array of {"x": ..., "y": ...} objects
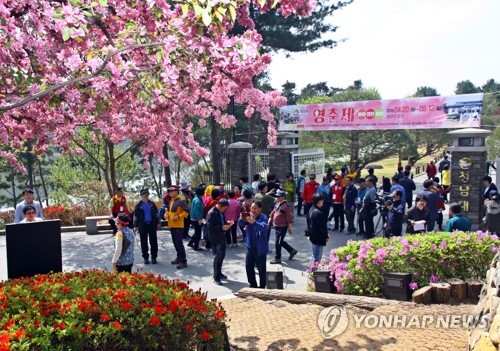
[{"x": 145, "y": 70}]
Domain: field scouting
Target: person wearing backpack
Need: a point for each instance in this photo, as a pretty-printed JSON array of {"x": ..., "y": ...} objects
[
  {"x": 282, "y": 218},
  {"x": 319, "y": 233},
  {"x": 123, "y": 258}
]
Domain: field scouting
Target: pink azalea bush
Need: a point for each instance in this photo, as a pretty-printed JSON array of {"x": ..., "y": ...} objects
[{"x": 359, "y": 266}]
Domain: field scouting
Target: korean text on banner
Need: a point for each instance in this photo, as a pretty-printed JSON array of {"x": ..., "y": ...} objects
[{"x": 458, "y": 111}]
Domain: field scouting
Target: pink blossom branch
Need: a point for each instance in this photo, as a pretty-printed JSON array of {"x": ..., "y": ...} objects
[{"x": 77, "y": 80}]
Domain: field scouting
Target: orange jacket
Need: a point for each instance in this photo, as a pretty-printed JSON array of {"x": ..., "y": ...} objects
[{"x": 178, "y": 207}]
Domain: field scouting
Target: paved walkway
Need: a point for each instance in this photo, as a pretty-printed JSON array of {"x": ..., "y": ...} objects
[
  {"x": 80, "y": 251},
  {"x": 271, "y": 325}
]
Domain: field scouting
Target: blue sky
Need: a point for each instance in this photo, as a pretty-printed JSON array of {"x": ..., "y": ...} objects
[{"x": 396, "y": 46}]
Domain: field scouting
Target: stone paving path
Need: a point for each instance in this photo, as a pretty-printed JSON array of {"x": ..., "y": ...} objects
[{"x": 280, "y": 326}]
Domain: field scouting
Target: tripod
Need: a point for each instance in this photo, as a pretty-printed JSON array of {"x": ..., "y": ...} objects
[{"x": 383, "y": 217}]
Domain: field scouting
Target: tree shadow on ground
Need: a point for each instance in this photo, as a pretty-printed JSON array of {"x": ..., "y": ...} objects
[
  {"x": 250, "y": 343},
  {"x": 362, "y": 342}
]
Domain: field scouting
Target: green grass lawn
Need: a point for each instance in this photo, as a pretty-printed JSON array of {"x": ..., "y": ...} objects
[{"x": 391, "y": 166}]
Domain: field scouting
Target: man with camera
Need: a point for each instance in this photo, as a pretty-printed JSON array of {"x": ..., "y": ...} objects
[
  {"x": 395, "y": 214},
  {"x": 369, "y": 208}
]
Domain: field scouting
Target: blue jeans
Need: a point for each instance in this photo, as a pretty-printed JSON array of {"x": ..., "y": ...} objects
[{"x": 317, "y": 253}]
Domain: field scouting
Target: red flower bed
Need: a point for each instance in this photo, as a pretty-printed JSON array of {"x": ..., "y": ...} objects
[
  {"x": 98, "y": 310},
  {"x": 69, "y": 216}
]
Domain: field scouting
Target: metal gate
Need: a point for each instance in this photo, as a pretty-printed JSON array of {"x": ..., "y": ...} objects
[
  {"x": 312, "y": 160},
  {"x": 258, "y": 162}
]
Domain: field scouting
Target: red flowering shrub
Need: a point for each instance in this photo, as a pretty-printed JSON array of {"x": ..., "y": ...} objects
[
  {"x": 70, "y": 216},
  {"x": 6, "y": 217},
  {"x": 98, "y": 310}
]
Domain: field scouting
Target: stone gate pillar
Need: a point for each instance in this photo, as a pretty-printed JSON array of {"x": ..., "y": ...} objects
[
  {"x": 468, "y": 167},
  {"x": 238, "y": 161},
  {"x": 280, "y": 156}
]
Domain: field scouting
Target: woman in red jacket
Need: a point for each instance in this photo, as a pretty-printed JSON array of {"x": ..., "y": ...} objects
[
  {"x": 310, "y": 189},
  {"x": 431, "y": 170}
]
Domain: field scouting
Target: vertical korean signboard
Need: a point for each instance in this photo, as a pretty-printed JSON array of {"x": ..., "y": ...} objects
[
  {"x": 465, "y": 165},
  {"x": 459, "y": 111}
]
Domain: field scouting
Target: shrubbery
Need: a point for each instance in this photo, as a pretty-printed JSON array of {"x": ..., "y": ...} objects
[
  {"x": 69, "y": 216},
  {"x": 98, "y": 310},
  {"x": 358, "y": 267}
]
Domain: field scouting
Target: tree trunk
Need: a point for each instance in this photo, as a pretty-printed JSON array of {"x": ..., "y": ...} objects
[
  {"x": 157, "y": 184},
  {"x": 458, "y": 289},
  {"x": 474, "y": 288},
  {"x": 441, "y": 292},
  {"x": 423, "y": 295},
  {"x": 13, "y": 184},
  {"x": 107, "y": 160},
  {"x": 354, "y": 151},
  {"x": 214, "y": 151},
  {"x": 29, "y": 156},
  {"x": 316, "y": 298},
  {"x": 168, "y": 175},
  {"x": 44, "y": 185},
  {"x": 178, "y": 173}
]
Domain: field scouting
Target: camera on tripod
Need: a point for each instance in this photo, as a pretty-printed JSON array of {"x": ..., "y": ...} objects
[{"x": 383, "y": 201}]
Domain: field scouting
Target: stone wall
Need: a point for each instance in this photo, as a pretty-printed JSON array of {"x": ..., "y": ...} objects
[
  {"x": 280, "y": 162},
  {"x": 484, "y": 331},
  {"x": 238, "y": 161}
]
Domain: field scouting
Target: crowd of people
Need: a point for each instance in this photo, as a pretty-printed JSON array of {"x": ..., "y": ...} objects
[{"x": 249, "y": 212}]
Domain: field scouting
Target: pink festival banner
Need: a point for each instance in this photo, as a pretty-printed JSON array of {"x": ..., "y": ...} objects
[{"x": 458, "y": 111}]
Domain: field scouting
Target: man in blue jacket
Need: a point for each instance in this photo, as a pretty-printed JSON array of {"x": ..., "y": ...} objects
[
  {"x": 395, "y": 214},
  {"x": 257, "y": 245}
]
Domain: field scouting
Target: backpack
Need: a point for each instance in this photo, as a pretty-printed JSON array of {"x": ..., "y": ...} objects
[{"x": 125, "y": 245}]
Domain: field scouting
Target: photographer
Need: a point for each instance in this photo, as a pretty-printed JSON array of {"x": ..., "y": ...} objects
[
  {"x": 368, "y": 209},
  {"x": 395, "y": 215},
  {"x": 491, "y": 222}
]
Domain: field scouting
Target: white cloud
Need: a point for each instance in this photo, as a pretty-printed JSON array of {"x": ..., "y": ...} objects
[{"x": 399, "y": 45}]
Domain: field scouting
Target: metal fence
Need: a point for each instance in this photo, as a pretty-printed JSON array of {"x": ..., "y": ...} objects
[
  {"x": 312, "y": 160},
  {"x": 258, "y": 162}
]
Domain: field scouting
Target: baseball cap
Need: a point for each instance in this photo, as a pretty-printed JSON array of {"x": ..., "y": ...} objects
[
  {"x": 281, "y": 193},
  {"x": 144, "y": 191}
]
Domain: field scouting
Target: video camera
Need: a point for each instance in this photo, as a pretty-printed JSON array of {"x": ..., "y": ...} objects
[{"x": 383, "y": 200}]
